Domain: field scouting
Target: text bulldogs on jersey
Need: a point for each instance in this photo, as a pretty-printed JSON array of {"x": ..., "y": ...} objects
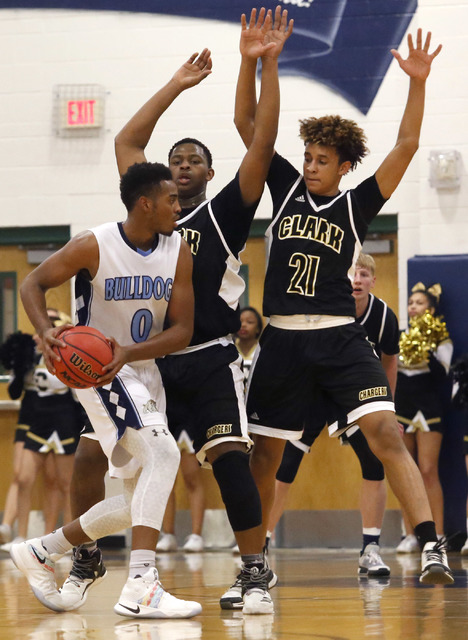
[{"x": 138, "y": 288}]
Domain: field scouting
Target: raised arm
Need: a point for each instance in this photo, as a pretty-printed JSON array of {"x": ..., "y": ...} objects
[
  {"x": 417, "y": 66},
  {"x": 131, "y": 142},
  {"x": 257, "y": 41},
  {"x": 251, "y": 38}
]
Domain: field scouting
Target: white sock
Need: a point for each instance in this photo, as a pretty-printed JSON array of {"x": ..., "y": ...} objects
[
  {"x": 140, "y": 561},
  {"x": 56, "y": 542}
]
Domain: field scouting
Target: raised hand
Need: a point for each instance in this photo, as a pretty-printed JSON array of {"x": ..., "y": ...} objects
[
  {"x": 419, "y": 60},
  {"x": 254, "y": 41},
  {"x": 196, "y": 69},
  {"x": 279, "y": 32}
]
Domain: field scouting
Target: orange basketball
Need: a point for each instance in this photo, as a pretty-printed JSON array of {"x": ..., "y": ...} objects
[{"x": 82, "y": 360}]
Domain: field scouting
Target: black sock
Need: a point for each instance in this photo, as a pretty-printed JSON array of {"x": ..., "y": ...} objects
[
  {"x": 368, "y": 539},
  {"x": 425, "y": 532}
]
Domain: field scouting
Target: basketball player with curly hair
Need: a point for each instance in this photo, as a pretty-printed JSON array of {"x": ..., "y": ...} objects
[{"x": 312, "y": 344}]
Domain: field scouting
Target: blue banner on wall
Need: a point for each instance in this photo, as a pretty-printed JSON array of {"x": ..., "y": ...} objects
[{"x": 344, "y": 44}]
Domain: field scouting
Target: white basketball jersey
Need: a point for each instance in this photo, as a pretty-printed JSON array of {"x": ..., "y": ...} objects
[{"x": 128, "y": 296}]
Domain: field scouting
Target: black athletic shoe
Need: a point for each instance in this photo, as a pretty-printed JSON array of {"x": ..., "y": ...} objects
[
  {"x": 87, "y": 571},
  {"x": 435, "y": 569},
  {"x": 233, "y": 597}
]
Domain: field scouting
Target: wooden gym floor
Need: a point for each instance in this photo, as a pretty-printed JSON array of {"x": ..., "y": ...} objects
[{"x": 319, "y": 596}]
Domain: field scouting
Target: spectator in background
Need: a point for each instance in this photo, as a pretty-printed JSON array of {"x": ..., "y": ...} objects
[
  {"x": 248, "y": 336},
  {"x": 418, "y": 403},
  {"x": 49, "y": 423}
]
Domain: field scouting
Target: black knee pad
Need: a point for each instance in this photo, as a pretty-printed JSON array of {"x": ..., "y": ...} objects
[
  {"x": 371, "y": 467},
  {"x": 238, "y": 490},
  {"x": 292, "y": 458}
]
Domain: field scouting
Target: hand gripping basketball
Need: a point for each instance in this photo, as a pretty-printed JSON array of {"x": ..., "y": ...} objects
[{"x": 84, "y": 357}]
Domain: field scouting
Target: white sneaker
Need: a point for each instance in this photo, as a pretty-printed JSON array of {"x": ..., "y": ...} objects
[
  {"x": 87, "y": 571},
  {"x": 5, "y": 533},
  {"x": 435, "y": 569},
  {"x": 167, "y": 542},
  {"x": 193, "y": 544},
  {"x": 258, "y": 601},
  {"x": 371, "y": 564},
  {"x": 255, "y": 581},
  {"x": 145, "y": 597},
  {"x": 33, "y": 560},
  {"x": 409, "y": 544},
  {"x": 232, "y": 598}
]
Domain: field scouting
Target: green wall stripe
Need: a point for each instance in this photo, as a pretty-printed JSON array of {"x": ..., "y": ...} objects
[{"x": 34, "y": 235}]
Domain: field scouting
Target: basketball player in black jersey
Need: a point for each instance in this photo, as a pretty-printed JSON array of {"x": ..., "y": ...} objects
[
  {"x": 382, "y": 331},
  {"x": 312, "y": 343},
  {"x": 204, "y": 383}
]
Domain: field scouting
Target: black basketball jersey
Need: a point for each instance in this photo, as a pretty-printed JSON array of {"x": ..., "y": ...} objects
[
  {"x": 216, "y": 232},
  {"x": 381, "y": 326},
  {"x": 314, "y": 242}
]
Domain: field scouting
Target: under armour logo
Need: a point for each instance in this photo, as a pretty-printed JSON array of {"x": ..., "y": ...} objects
[{"x": 156, "y": 433}]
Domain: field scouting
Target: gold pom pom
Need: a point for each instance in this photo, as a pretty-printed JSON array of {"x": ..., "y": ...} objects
[{"x": 424, "y": 334}]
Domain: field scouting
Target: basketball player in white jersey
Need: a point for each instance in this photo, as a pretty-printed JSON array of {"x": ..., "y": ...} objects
[
  {"x": 130, "y": 278},
  {"x": 312, "y": 343},
  {"x": 204, "y": 383}
]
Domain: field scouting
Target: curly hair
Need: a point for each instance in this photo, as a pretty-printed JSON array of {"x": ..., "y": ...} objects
[{"x": 333, "y": 131}]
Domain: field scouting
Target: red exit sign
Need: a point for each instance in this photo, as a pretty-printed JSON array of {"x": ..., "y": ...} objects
[
  {"x": 79, "y": 110},
  {"x": 81, "y": 113}
]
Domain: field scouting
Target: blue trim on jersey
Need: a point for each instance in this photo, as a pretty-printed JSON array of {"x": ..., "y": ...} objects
[
  {"x": 132, "y": 246},
  {"x": 83, "y": 299},
  {"x": 117, "y": 400}
]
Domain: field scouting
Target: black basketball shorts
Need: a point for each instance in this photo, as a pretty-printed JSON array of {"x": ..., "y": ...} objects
[
  {"x": 292, "y": 365},
  {"x": 205, "y": 396}
]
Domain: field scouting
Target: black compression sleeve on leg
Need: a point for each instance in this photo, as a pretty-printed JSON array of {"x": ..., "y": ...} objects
[
  {"x": 292, "y": 458},
  {"x": 238, "y": 490},
  {"x": 371, "y": 467}
]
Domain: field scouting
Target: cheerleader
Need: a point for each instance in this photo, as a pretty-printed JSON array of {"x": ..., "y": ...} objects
[{"x": 423, "y": 365}]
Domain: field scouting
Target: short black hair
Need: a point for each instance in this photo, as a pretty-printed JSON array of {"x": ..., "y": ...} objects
[
  {"x": 206, "y": 151},
  {"x": 140, "y": 180},
  {"x": 258, "y": 317}
]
